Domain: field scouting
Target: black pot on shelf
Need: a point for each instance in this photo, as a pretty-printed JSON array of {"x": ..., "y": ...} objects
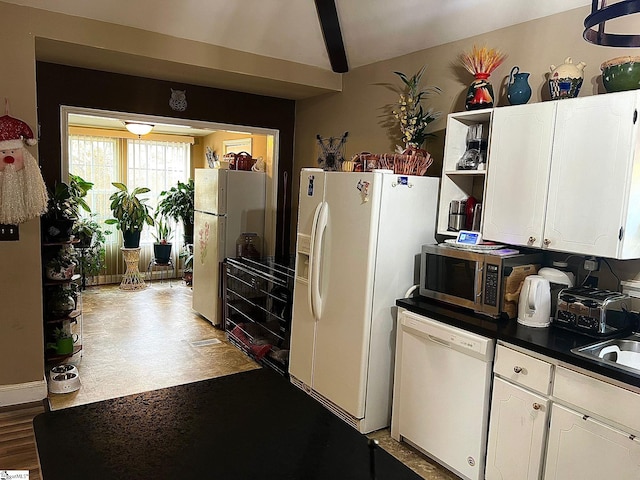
[
  {"x": 131, "y": 238},
  {"x": 162, "y": 253}
]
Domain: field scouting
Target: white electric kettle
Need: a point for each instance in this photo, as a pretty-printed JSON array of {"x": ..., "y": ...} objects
[{"x": 534, "y": 307}]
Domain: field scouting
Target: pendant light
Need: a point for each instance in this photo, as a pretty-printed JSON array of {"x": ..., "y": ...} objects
[
  {"x": 138, "y": 128},
  {"x": 601, "y": 13}
]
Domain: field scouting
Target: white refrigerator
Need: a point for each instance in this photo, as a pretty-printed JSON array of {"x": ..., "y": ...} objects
[
  {"x": 357, "y": 241},
  {"x": 226, "y": 203}
]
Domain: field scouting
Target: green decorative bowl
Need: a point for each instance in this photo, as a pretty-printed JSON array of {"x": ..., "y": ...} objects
[{"x": 621, "y": 73}]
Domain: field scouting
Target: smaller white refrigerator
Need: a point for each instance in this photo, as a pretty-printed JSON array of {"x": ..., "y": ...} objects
[{"x": 227, "y": 203}]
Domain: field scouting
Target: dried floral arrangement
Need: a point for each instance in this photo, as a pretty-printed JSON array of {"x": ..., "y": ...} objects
[
  {"x": 482, "y": 60},
  {"x": 410, "y": 113}
]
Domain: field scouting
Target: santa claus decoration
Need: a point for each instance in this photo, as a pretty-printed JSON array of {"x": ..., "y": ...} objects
[{"x": 23, "y": 194}]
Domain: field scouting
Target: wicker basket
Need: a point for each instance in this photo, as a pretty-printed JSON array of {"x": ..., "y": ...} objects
[{"x": 409, "y": 162}]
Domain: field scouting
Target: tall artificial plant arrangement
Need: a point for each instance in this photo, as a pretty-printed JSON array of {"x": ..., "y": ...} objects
[
  {"x": 480, "y": 63},
  {"x": 410, "y": 113}
]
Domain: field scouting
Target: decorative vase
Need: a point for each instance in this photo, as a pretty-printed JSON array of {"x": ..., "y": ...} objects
[
  {"x": 565, "y": 80},
  {"x": 480, "y": 93},
  {"x": 518, "y": 91}
]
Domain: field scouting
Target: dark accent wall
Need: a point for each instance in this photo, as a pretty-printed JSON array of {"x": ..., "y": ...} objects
[{"x": 59, "y": 85}]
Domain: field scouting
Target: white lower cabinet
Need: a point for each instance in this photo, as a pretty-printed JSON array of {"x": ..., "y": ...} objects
[
  {"x": 582, "y": 447},
  {"x": 516, "y": 433},
  {"x": 551, "y": 422}
]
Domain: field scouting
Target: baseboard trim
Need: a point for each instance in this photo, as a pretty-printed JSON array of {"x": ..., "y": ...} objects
[{"x": 28, "y": 392}]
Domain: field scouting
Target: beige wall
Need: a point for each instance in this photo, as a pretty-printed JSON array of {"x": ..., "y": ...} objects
[
  {"x": 21, "y": 341},
  {"x": 533, "y": 46}
]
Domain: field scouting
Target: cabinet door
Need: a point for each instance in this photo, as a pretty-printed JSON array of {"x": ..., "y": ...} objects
[
  {"x": 590, "y": 173},
  {"x": 516, "y": 433},
  {"x": 518, "y": 174},
  {"x": 581, "y": 447}
]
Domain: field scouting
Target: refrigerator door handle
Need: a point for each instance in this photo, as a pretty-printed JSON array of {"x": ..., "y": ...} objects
[
  {"x": 316, "y": 254},
  {"x": 312, "y": 243}
]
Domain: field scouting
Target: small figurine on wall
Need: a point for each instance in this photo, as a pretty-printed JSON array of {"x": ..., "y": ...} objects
[
  {"x": 178, "y": 100},
  {"x": 331, "y": 152},
  {"x": 23, "y": 194}
]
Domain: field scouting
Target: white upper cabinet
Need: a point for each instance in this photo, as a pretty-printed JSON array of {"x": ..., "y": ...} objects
[
  {"x": 595, "y": 177},
  {"x": 518, "y": 174},
  {"x": 565, "y": 176}
]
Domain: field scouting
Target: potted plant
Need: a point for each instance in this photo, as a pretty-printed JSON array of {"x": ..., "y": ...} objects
[
  {"x": 63, "y": 341},
  {"x": 162, "y": 236},
  {"x": 91, "y": 239},
  {"x": 61, "y": 300},
  {"x": 62, "y": 265},
  {"x": 187, "y": 273},
  {"x": 130, "y": 213},
  {"x": 177, "y": 203},
  {"x": 63, "y": 208}
]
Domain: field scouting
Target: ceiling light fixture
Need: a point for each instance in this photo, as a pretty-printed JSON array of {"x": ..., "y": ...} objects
[
  {"x": 603, "y": 13},
  {"x": 138, "y": 128}
]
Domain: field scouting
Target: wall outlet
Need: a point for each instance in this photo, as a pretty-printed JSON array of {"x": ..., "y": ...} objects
[
  {"x": 591, "y": 264},
  {"x": 9, "y": 233}
]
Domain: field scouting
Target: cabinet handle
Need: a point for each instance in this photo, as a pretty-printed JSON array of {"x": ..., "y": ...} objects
[
  {"x": 517, "y": 369},
  {"x": 537, "y": 406},
  {"x": 532, "y": 240},
  {"x": 546, "y": 242}
]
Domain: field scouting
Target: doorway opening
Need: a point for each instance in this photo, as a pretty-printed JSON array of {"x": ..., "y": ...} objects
[{"x": 97, "y": 146}]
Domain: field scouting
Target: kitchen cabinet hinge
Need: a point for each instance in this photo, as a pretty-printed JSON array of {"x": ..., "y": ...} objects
[
  {"x": 620, "y": 233},
  {"x": 635, "y": 115}
]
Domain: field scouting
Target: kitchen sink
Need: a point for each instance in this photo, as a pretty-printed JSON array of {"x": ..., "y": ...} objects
[{"x": 623, "y": 353}]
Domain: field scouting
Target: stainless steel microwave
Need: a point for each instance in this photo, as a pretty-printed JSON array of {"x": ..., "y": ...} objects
[{"x": 484, "y": 282}]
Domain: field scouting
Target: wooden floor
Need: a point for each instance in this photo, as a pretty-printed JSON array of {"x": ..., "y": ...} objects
[{"x": 17, "y": 443}]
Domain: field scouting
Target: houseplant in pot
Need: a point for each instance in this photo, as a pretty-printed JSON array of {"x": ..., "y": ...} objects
[
  {"x": 162, "y": 236},
  {"x": 63, "y": 208},
  {"x": 61, "y": 267},
  {"x": 130, "y": 213},
  {"x": 177, "y": 203},
  {"x": 91, "y": 239}
]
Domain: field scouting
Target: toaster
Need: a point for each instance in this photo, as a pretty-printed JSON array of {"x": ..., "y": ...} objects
[{"x": 592, "y": 311}]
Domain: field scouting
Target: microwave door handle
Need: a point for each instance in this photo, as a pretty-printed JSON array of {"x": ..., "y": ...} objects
[{"x": 479, "y": 280}]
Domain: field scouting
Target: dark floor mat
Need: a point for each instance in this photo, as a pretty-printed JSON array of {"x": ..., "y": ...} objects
[{"x": 243, "y": 426}]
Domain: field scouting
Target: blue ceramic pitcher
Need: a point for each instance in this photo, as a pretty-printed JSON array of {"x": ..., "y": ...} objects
[{"x": 518, "y": 90}]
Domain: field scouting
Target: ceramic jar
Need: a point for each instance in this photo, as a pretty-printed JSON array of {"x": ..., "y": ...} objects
[
  {"x": 518, "y": 90},
  {"x": 565, "y": 80}
]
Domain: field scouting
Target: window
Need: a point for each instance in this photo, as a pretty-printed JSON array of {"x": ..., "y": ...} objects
[{"x": 157, "y": 165}]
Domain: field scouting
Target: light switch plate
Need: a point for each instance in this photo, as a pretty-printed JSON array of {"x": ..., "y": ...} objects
[{"x": 9, "y": 233}]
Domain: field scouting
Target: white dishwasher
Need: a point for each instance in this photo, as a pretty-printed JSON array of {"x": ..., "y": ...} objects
[{"x": 441, "y": 392}]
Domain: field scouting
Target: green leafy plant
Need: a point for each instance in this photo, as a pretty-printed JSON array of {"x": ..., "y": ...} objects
[
  {"x": 66, "y": 200},
  {"x": 130, "y": 212},
  {"x": 60, "y": 333},
  {"x": 178, "y": 203},
  {"x": 164, "y": 232},
  {"x": 410, "y": 113},
  {"x": 92, "y": 239}
]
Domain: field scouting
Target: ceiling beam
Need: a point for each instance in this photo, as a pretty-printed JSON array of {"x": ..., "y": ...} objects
[{"x": 328, "y": 16}]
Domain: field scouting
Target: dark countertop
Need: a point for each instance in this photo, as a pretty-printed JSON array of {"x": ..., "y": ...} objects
[{"x": 553, "y": 342}]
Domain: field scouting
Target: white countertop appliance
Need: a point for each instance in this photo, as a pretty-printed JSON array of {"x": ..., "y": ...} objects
[
  {"x": 359, "y": 236},
  {"x": 441, "y": 392},
  {"x": 534, "y": 307},
  {"x": 227, "y": 203}
]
